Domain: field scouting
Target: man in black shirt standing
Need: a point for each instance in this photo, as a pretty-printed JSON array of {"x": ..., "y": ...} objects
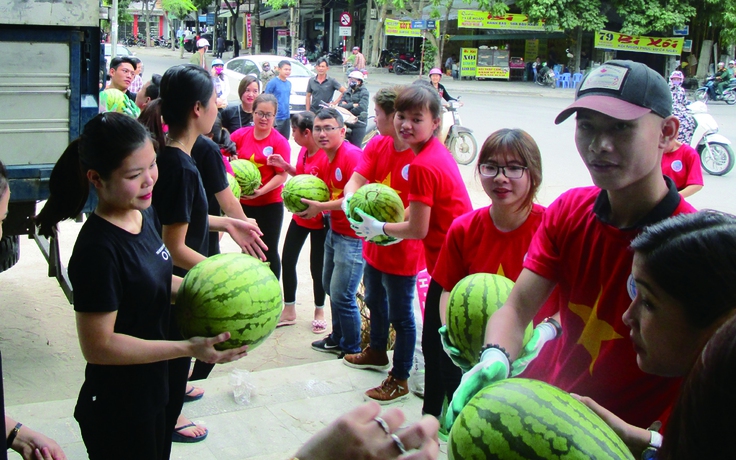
[{"x": 321, "y": 88}]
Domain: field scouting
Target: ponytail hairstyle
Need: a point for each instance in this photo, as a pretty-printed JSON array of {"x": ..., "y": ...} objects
[
  {"x": 107, "y": 140},
  {"x": 182, "y": 86},
  {"x": 150, "y": 117},
  {"x": 302, "y": 121}
]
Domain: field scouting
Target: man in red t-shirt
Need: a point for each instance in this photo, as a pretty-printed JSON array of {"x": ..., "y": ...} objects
[
  {"x": 343, "y": 267},
  {"x": 391, "y": 271},
  {"x": 623, "y": 125}
]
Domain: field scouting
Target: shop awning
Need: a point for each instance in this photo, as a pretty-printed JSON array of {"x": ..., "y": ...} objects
[{"x": 507, "y": 35}]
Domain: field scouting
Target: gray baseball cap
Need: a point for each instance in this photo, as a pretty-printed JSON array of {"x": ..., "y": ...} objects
[{"x": 625, "y": 90}]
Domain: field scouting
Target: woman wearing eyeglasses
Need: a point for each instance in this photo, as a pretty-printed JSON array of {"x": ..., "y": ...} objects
[
  {"x": 494, "y": 239},
  {"x": 256, "y": 143}
]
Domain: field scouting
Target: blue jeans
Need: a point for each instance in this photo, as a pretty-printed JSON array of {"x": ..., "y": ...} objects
[
  {"x": 341, "y": 278},
  {"x": 390, "y": 299}
]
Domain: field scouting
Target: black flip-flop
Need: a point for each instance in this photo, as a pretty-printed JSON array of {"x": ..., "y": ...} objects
[{"x": 176, "y": 436}]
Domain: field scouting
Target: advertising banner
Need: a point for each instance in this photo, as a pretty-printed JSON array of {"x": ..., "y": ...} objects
[
  {"x": 401, "y": 29},
  {"x": 248, "y": 33},
  {"x": 472, "y": 19},
  {"x": 493, "y": 72},
  {"x": 468, "y": 60},
  {"x": 671, "y": 46}
]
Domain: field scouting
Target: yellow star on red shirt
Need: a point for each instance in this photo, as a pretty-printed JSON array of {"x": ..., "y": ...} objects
[
  {"x": 595, "y": 330},
  {"x": 252, "y": 159},
  {"x": 335, "y": 192},
  {"x": 500, "y": 271},
  {"x": 387, "y": 181}
]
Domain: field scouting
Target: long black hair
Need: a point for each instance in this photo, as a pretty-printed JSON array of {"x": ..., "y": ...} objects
[
  {"x": 107, "y": 140},
  {"x": 182, "y": 86}
]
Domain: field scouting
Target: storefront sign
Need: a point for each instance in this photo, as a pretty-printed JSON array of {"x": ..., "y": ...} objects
[
  {"x": 493, "y": 72},
  {"x": 248, "y": 33},
  {"x": 401, "y": 29},
  {"x": 275, "y": 22},
  {"x": 468, "y": 60},
  {"x": 472, "y": 19},
  {"x": 687, "y": 47},
  {"x": 531, "y": 50},
  {"x": 671, "y": 46}
]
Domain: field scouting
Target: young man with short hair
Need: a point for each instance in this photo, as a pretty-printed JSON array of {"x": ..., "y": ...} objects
[
  {"x": 321, "y": 88},
  {"x": 281, "y": 88},
  {"x": 122, "y": 72},
  {"x": 623, "y": 124},
  {"x": 137, "y": 83},
  {"x": 343, "y": 268}
]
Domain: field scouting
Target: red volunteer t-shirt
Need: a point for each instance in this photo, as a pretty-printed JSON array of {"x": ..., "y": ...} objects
[
  {"x": 336, "y": 175},
  {"x": 683, "y": 167},
  {"x": 310, "y": 165},
  {"x": 474, "y": 245},
  {"x": 256, "y": 151},
  {"x": 435, "y": 181},
  {"x": 383, "y": 164},
  {"x": 591, "y": 262}
]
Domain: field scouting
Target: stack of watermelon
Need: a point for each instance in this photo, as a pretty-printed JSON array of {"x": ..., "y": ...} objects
[
  {"x": 304, "y": 186},
  {"x": 529, "y": 419},
  {"x": 380, "y": 202},
  {"x": 472, "y": 302},
  {"x": 247, "y": 175},
  {"x": 234, "y": 293},
  {"x": 234, "y": 185}
]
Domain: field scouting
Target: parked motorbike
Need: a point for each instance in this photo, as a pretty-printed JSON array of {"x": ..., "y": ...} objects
[
  {"x": 460, "y": 140},
  {"x": 545, "y": 76},
  {"x": 716, "y": 153},
  {"x": 707, "y": 92},
  {"x": 402, "y": 66},
  {"x": 335, "y": 56}
]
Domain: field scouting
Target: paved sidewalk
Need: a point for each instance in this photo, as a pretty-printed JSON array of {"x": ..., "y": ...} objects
[{"x": 289, "y": 405}]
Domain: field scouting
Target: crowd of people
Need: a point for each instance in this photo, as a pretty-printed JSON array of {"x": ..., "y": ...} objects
[{"x": 626, "y": 284}]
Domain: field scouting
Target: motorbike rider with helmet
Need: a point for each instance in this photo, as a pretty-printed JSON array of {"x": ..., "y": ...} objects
[
  {"x": 679, "y": 107},
  {"x": 355, "y": 100},
  {"x": 722, "y": 79},
  {"x": 435, "y": 75}
]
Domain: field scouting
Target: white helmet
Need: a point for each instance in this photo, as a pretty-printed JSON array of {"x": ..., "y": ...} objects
[
  {"x": 202, "y": 42},
  {"x": 357, "y": 74}
]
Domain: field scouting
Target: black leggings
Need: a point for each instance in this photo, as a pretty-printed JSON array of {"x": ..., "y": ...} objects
[
  {"x": 441, "y": 376},
  {"x": 269, "y": 218},
  {"x": 296, "y": 235}
]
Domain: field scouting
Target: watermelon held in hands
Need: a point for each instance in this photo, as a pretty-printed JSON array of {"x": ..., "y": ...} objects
[
  {"x": 471, "y": 303},
  {"x": 234, "y": 185},
  {"x": 380, "y": 202},
  {"x": 231, "y": 292},
  {"x": 530, "y": 419},
  {"x": 248, "y": 176},
  {"x": 304, "y": 186}
]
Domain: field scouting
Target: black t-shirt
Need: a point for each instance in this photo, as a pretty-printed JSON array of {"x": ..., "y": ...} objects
[
  {"x": 208, "y": 158},
  {"x": 112, "y": 270},
  {"x": 234, "y": 117},
  {"x": 179, "y": 197}
]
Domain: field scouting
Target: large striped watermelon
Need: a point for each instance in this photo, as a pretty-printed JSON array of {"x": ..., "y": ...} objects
[
  {"x": 231, "y": 292},
  {"x": 234, "y": 185},
  {"x": 530, "y": 419},
  {"x": 304, "y": 186},
  {"x": 471, "y": 303},
  {"x": 379, "y": 201},
  {"x": 247, "y": 174}
]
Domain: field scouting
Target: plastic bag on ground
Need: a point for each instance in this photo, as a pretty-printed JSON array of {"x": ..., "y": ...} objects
[{"x": 243, "y": 388}]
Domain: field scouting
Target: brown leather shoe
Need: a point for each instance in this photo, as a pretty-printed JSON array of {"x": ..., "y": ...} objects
[
  {"x": 390, "y": 390},
  {"x": 367, "y": 359}
]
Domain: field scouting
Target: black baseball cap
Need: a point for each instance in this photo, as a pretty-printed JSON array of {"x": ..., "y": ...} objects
[{"x": 625, "y": 90}]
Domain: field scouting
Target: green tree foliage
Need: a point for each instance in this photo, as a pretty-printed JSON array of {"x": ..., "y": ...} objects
[{"x": 178, "y": 8}]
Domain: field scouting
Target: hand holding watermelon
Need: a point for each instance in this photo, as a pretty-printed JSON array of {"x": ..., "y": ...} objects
[
  {"x": 248, "y": 236},
  {"x": 203, "y": 348},
  {"x": 543, "y": 333},
  {"x": 493, "y": 367},
  {"x": 312, "y": 211},
  {"x": 369, "y": 228},
  {"x": 453, "y": 352}
]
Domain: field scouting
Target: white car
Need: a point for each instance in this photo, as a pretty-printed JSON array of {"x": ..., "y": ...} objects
[
  {"x": 237, "y": 68},
  {"x": 120, "y": 49}
]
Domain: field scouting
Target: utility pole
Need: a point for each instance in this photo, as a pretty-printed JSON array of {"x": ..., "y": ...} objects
[{"x": 114, "y": 29}]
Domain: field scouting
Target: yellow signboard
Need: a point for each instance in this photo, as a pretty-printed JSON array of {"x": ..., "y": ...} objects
[
  {"x": 671, "y": 46},
  {"x": 468, "y": 60},
  {"x": 401, "y": 29},
  {"x": 493, "y": 72},
  {"x": 531, "y": 50},
  {"x": 472, "y": 19}
]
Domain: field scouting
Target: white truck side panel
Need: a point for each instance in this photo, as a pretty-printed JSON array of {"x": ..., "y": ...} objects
[
  {"x": 34, "y": 86},
  {"x": 70, "y": 13}
]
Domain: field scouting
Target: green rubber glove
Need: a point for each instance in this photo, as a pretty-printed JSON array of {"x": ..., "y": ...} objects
[
  {"x": 543, "y": 333},
  {"x": 493, "y": 367},
  {"x": 453, "y": 352}
]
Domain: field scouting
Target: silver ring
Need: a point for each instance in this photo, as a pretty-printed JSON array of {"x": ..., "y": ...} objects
[
  {"x": 398, "y": 443},
  {"x": 382, "y": 423}
]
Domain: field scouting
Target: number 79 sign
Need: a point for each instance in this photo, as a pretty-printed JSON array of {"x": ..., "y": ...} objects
[{"x": 657, "y": 45}]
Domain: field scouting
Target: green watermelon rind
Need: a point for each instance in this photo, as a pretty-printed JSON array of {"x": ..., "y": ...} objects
[
  {"x": 304, "y": 186},
  {"x": 237, "y": 280},
  {"x": 234, "y": 185},
  {"x": 469, "y": 307},
  {"x": 247, "y": 174},
  {"x": 530, "y": 419},
  {"x": 380, "y": 202}
]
